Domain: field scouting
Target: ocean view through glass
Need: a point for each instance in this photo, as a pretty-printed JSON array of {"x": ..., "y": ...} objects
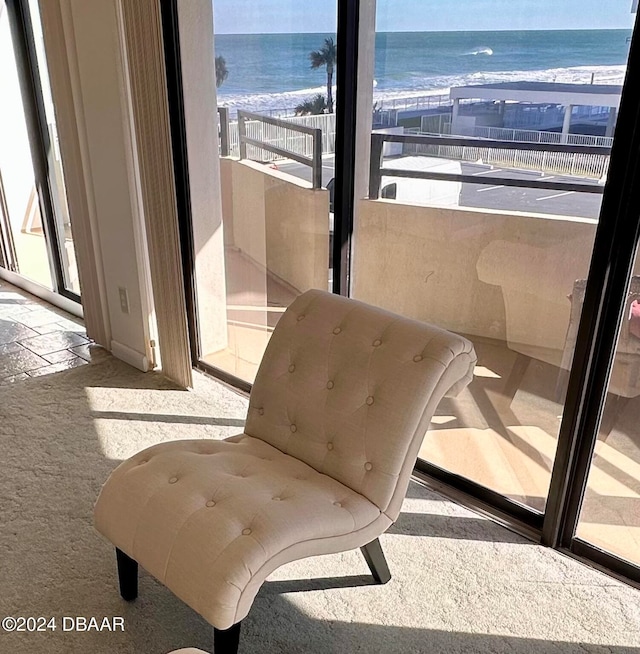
[{"x": 420, "y": 63}]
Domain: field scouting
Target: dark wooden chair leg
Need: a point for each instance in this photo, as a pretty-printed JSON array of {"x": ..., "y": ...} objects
[
  {"x": 226, "y": 641},
  {"x": 127, "y": 576},
  {"x": 374, "y": 556}
]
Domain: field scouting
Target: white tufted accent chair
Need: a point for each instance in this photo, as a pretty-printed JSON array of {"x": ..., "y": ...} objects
[{"x": 340, "y": 405}]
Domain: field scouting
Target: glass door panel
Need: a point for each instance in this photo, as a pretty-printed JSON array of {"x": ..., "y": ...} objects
[
  {"x": 36, "y": 226},
  {"x": 62, "y": 219},
  {"x": 610, "y": 515},
  {"x": 490, "y": 152},
  {"x": 24, "y": 220},
  {"x": 271, "y": 157}
]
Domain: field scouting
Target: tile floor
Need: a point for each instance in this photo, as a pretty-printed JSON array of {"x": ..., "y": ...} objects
[{"x": 36, "y": 338}]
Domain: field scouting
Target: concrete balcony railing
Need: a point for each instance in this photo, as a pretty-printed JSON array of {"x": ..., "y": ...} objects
[
  {"x": 278, "y": 221},
  {"x": 499, "y": 275},
  {"x": 493, "y": 274},
  {"x": 276, "y": 245},
  {"x": 487, "y": 273}
]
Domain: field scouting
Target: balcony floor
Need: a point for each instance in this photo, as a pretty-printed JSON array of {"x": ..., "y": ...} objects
[
  {"x": 508, "y": 444},
  {"x": 255, "y": 302}
]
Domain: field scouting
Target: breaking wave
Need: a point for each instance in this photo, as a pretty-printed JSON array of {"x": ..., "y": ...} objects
[{"x": 481, "y": 51}]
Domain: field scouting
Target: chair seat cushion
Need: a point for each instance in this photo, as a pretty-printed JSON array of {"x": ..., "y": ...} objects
[{"x": 211, "y": 518}]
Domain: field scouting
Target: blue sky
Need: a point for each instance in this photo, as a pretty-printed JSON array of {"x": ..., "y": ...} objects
[{"x": 267, "y": 16}]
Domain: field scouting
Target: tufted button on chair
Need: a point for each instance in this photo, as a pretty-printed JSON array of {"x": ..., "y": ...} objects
[{"x": 316, "y": 471}]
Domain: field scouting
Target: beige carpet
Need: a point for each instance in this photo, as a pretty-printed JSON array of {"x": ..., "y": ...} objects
[{"x": 461, "y": 583}]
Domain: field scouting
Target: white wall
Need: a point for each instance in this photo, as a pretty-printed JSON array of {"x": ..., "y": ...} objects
[{"x": 93, "y": 49}]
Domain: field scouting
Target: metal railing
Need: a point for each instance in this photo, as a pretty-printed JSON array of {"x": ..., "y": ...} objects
[
  {"x": 435, "y": 124},
  {"x": 223, "y": 114},
  {"x": 477, "y": 148},
  {"x": 285, "y": 138},
  {"x": 258, "y": 134}
]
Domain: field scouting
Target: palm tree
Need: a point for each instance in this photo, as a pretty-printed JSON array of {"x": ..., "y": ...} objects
[
  {"x": 312, "y": 106},
  {"x": 221, "y": 71},
  {"x": 326, "y": 57}
]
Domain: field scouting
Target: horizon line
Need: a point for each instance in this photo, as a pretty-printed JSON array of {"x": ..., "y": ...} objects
[{"x": 553, "y": 29}]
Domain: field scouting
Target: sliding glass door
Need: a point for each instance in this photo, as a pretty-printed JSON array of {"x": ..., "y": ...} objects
[
  {"x": 474, "y": 172},
  {"x": 259, "y": 125},
  {"x": 37, "y": 241},
  {"x": 489, "y": 158}
]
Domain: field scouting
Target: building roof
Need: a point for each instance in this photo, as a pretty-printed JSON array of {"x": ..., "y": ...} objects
[{"x": 594, "y": 95}]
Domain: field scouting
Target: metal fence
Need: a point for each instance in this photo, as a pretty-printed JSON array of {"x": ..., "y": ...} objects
[
  {"x": 504, "y": 153},
  {"x": 416, "y": 103},
  {"x": 324, "y": 122},
  {"x": 591, "y": 161},
  {"x": 435, "y": 124},
  {"x": 535, "y": 136},
  {"x": 385, "y": 117}
]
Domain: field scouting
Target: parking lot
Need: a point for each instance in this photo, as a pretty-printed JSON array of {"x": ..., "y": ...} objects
[{"x": 507, "y": 198}]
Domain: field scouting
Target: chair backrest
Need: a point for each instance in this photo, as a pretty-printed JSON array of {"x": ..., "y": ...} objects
[{"x": 350, "y": 390}]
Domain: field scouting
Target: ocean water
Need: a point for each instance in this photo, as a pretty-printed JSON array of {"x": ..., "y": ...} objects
[{"x": 272, "y": 71}]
